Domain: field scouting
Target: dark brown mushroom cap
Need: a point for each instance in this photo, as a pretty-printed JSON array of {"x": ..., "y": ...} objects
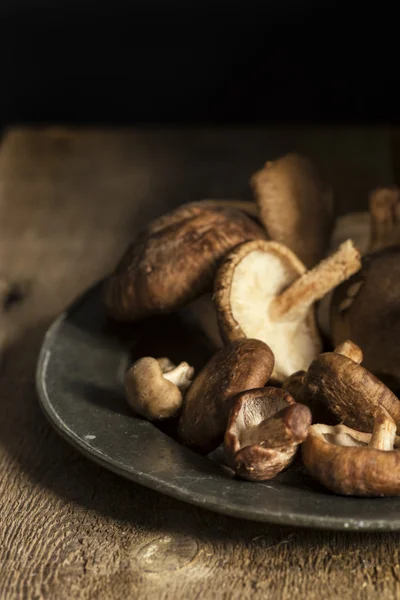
[
  {"x": 348, "y": 391},
  {"x": 366, "y": 309},
  {"x": 296, "y": 206},
  {"x": 356, "y": 471},
  {"x": 241, "y": 365},
  {"x": 296, "y": 386},
  {"x": 264, "y": 429},
  {"x": 174, "y": 259}
]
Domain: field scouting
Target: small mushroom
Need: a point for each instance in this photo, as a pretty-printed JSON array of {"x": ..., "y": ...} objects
[
  {"x": 242, "y": 365},
  {"x": 365, "y": 309},
  {"x": 174, "y": 259},
  {"x": 370, "y": 231},
  {"x": 263, "y": 291},
  {"x": 336, "y": 382},
  {"x": 265, "y": 428},
  {"x": 296, "y": 206},
  {"x": 155, "y": 387},
  {"x": 353, "y": 463}
]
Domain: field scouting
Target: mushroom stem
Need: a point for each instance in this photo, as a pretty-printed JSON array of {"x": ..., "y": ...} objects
[
  {"x": 289, "y": 425},
  {"x": 181, "y": 376},
  {"x": 384, "y": 433},
  {"x": 384, "y": 208},
  {"x": 298, "y": 298},
  {"x": 350, "y": 350}
]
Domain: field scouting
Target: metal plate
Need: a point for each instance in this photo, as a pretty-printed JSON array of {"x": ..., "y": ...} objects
[{"x": 79, "y": 381}]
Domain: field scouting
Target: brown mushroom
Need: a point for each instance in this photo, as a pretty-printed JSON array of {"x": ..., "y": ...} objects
[
  {"x": 366, "y": 310},
  {"x": 265, "y": 428},
  {"x": 263, "y": 291},
  {"x": 296, "y": 206},
  {"x": 173, "y": 260},
  {"x": 336, "y": 381},
  {"x": 242, "y": 365},
  {"x": 370, "y": 231},
  {"x": 353, "y": 463},
  {"x": 155, "y": 387}
]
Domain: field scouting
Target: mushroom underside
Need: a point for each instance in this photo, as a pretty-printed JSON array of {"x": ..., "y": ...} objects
[{"x": 257, "y": 280}]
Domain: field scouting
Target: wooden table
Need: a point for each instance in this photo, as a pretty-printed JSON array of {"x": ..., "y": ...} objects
[{"x": 69, "y": 203}]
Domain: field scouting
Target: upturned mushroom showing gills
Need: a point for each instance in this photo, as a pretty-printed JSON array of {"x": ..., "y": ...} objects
[
  {"x": 263, "y": 291},
  {"x": 366, "y": 310},
  {"x": 353, "y": 463},
  {"x": 241, "y": 365},
  {"x": 265, "y": 428},
  {"x": 155, "y": 387},
  {"x": 337, "y": 382},
  {"x": 295, "y": 205},
  {"x": 173, "y": 260}
]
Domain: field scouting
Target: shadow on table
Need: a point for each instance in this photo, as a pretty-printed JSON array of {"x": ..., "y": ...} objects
[{"x": 50, "y": 462}]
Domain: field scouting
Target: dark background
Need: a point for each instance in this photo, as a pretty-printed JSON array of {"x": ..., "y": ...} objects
[{"x": 178, "y": 62}]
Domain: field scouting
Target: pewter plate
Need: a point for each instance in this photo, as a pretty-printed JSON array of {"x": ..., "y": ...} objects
[{"x": 79, "y": 382}]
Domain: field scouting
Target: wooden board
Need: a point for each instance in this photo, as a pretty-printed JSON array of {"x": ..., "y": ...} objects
[{"x": 69, "y": 203}]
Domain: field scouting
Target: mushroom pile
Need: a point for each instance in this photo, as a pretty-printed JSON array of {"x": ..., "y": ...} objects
[{"x": 291, "y": 302}]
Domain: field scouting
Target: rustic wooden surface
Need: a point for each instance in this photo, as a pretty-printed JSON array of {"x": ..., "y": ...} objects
[{"x": 69, "y": 202}]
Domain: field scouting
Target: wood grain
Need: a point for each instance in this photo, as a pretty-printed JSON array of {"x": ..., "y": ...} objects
[{"x": 69, "y": 202}]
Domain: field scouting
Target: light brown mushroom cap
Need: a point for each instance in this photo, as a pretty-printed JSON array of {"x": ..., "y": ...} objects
[
  {"x": 347, "y": 390},
  {"x": 296, "y": 206},
  {"x": 174, "y": 260},
  {"x": 155, "y": 387},
  {"x": 241, "y": 365},
  {"x": 262, "y": 291},
  {"x": 352, "y": 463},
  {"x": 265, "y": 428},
  {"x": 366, "y": 310}
]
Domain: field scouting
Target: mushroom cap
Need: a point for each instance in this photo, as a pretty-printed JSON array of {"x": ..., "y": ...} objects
[
  {"x": 173, "y": 260},
  {"x": 365, "y": 309},
  {"x": 348, "y": 391},
  {"x": 241, "y": 365},
  {"x": 352, "y": 470},
  {"x": 296, "y": 206},
  {"x": 267, "y": 454},
  {"x": 150, "y": 394},
  {"x": 246, "y": 283}
]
